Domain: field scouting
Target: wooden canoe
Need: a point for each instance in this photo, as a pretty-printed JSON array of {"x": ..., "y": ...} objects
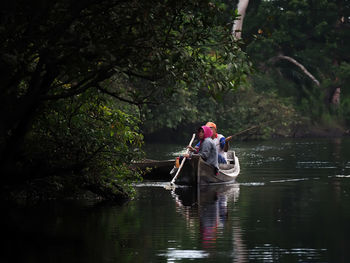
[{"x": 197, "y": 172}]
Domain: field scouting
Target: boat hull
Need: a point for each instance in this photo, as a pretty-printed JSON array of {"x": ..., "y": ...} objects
[{"x": 197, "y": 172}]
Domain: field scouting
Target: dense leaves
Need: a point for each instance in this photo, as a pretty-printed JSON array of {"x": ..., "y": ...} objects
[
  {"x": 81, "y": 144},
  {"x": 60, "y": 59},
  {"x": 82, "y": 80},
  {"x": 314, "y": 33},
  {"x": 300, "y": 52}
]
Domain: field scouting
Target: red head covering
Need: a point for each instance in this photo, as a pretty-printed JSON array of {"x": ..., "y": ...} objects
[{"x": 207, "y": 132}]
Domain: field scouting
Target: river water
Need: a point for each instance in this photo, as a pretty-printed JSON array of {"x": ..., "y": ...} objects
[{"x": 291, "y": 203}]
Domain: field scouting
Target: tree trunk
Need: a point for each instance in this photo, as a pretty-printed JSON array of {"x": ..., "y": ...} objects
[
  {"x": 238, "y": 23},
  {"x": 336, "y": 96},
  {"x": 333, "y": 95},
  {"x": 303, "y": 69},
  {"x": 19, "y": 122}
]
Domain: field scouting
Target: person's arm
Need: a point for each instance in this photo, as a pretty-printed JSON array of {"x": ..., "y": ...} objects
[
  {"x": 195, "y": 149},
  {"x": 222, "y": 143},
  {"x": 191, "y": 149},
  {"x": 228, "y": 138}
]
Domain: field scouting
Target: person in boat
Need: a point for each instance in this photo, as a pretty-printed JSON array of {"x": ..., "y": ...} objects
[
  {"x": 219, "y": 141},
  {"x": 205, "y": 148}
]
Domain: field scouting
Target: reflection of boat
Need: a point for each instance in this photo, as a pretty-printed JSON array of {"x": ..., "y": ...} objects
[
  {"x": 206, "y": 208},
  {"x": 208, "y": 204},
  {"x": 197, "y": 171},
  {"x": 206, "y": 194}
]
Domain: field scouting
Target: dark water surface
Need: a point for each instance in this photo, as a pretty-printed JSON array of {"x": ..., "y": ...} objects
[{"x": 291, "y": 203}]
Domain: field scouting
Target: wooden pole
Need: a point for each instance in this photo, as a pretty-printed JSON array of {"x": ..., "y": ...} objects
[{"x": 183, "y": 161}]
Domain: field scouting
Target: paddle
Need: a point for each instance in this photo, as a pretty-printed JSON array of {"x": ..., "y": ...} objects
[
  {"x": 236, "y": 134},
  {"x": 183, "y": 161},
  {"x": 244, "y": 131}
]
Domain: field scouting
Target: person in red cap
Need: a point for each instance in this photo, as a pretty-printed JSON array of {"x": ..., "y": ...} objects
[{"x": 219, "y": 141}]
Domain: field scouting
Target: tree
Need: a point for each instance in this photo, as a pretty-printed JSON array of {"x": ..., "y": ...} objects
[
  {"x": 293, "y": 42},
  {"x": 134, "y": 51}
]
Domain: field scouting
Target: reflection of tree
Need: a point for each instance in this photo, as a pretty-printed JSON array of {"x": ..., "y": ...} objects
[{"x": 208, "y": 206}]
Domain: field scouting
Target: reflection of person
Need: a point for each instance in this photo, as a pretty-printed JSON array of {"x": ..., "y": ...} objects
[
  {"x": 209, "y": 220},
  {"x": 206, "y": 148},
  {"x": 219, "y": 141},
  {"x": 213, "y": 217},
  {"x": 209, "y": 206}
]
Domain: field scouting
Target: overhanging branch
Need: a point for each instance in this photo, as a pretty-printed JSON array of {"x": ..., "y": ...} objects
[{"x": 303, "y": 69}]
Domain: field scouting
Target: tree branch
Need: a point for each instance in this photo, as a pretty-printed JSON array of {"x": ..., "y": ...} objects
[
  {"x": 90, "y": 81},
  {"x": 292, "y": 60},
  {"x": 114, "y": 95}
]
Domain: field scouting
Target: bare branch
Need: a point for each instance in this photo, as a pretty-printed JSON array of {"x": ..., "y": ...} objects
[
  {"x": 292, "y": 60},
  {"x": 114, "y": 95}
]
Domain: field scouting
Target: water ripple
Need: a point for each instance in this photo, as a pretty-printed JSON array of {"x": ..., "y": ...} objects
[
  {"x": 289, "y": 180},
  {"x": 316, "y": 164},
  {"x": 253, "y": 184},
  {"x": 176, "y": 254},
  {"x": 268, "y": 253}
]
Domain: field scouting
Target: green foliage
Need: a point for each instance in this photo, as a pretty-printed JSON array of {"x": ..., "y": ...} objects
[
  {"x": 266, "y": 112},
  {"x": 234, "y": 112},
  {"x": 343, "y": 71},
  {"x": 312, "y": 32},
  {"x": 167, "y": 64},
  {"x": 195, "y": 100},
  {"x": 315, "y": 33},
  {"x": 85, "y": 138},
  {"x": 344, "y": 110},
  {"x": 59, "y": 59}
]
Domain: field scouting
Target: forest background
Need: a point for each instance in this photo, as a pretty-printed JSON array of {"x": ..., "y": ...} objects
[{"x": 85, "y": 83}]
